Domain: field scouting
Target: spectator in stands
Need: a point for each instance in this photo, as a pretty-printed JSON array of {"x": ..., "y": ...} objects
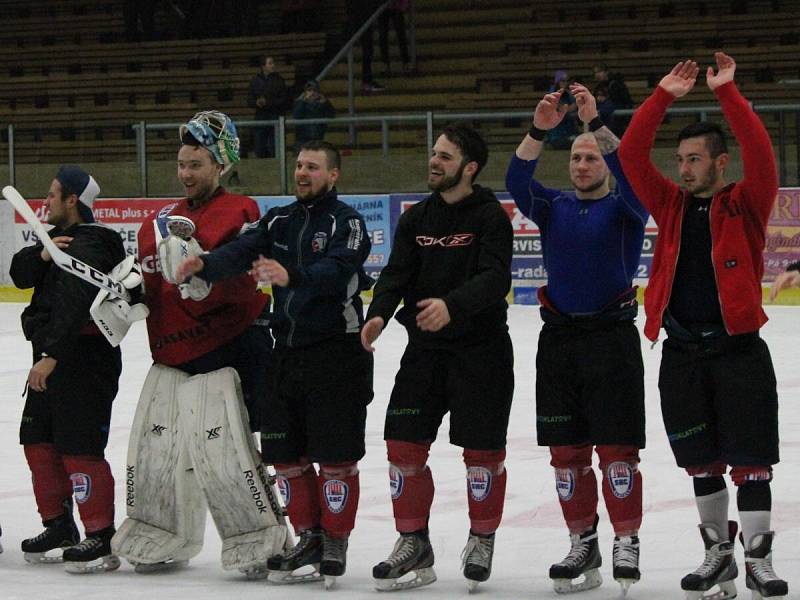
[
  {"x": 562, "y": 135},
  {"x": 358, "y": 11},
  {"x": 618, "y": 96},
  {"x": 269, "y": 96},
  {"x": 605, "y": 108},
  {"x": 312, "y": 105},
  {"x": 301, "y": 16},
  {"x": 394, "y": 15},
  {"x": 135, "y": 12}
]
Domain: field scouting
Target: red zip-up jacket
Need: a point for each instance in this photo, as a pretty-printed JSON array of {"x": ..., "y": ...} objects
[{"x": 738, "y": 214}]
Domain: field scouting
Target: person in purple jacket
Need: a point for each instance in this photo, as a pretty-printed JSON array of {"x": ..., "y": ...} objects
[{"x": 590, "y": 376}]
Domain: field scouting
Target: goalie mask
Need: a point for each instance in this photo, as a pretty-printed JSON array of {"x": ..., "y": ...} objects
[{"x": 217, "y": 133}]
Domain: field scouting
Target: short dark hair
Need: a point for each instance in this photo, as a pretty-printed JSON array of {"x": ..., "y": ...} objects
[
  {"x": 716, "y": 141},
  {"x": 470, "y": 142},
  {"x": 332, "y": 155}
]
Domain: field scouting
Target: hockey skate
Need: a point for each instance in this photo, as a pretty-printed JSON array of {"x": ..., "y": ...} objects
[
  {"x": 412, "y": 555},
  {"x": 293, "y": 565},
  {"x": 59, "y": 533},
  {"x": 583, "y": 559},
  {"x": 718, "y": 568},
  {"x": 92, "y": 555},
  {"x": 476, "y": 559},
  {"x": 761, "y": 577},
  {"x": 625, "y": 559},
  {"x": 334, "y": 559}
]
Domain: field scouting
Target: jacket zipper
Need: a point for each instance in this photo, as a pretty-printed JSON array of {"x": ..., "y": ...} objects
[
  {"x": 674, "y": 269},
  {"x": 299, "y": 264},
  {"x": 714, "y": 266}
]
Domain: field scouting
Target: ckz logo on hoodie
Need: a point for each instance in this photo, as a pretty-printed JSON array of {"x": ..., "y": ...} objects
[{"x": 447, "y": 241}]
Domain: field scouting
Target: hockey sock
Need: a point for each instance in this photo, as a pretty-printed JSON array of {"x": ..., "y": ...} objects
[
  {"x": 576, "y": 485},
  {"x": 711, "y": 497},
  {"x": 339, "y": 492},
  {"x": 93, "y": 488},
  {"x": 51, "y": 484},
  {"x": 754, "y": 500},
  {"x": 486, "y": 488},
  {"x": 297, "y": 483},
  {"x": 622, "y": 487},
  {"x": 411, "y": 484}
]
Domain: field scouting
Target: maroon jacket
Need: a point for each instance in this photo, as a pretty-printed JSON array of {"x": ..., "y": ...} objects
[{"x": 738, "y": 214}]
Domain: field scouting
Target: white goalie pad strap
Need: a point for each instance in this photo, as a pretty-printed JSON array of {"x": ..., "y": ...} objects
[
  {"x": 240, "y": 496},
  {"x": 165, "y": 507},
  {"x": 196, "y": 289}
]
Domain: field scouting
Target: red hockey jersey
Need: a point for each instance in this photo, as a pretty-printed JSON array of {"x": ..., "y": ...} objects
[{"x": 182, "y": 330}]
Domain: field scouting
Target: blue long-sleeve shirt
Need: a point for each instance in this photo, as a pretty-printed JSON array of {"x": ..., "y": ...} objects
[{"x": 591, "y": 248}]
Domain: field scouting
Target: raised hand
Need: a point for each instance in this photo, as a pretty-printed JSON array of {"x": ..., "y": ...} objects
[
  {"x": 270, "y": 272},
  {"x": 726, "y": 67},
  {"x": 681, "y": 79},
  {"x": 587, "y": 105},
  {"x": 549, "y": 112}
]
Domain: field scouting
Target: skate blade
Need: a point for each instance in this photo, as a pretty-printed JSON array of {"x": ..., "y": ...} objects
[
  {"x": 625, "y": 585},
  {"x": 98, "y": 565},
  {"x": 148, "y": 568},
  {"x": 301, "y": 575},
  {"x": 472, "y": 586},
  {"x": 43, "y": 558},
  {"x": 591, "y": 580},
  {"x": 412, "y": 579},
  {"x": 330, "y": 581},
  {"x": 727, "y": 590}
]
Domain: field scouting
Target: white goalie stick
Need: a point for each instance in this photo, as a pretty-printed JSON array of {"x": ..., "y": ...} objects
[{"x": 60, "y": 258}]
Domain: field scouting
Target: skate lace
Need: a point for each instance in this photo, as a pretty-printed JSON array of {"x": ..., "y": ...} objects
[
  {"x": 579, "y": 551},
  {"x": 762, "y": 569},
  {"x": 626, "y": 553},
  {"x": 478, "y": 551},
  {"x": 305, "y": 539},
  {"x": 333, "y": 548},
  {"x": 90, "y": 543},
  {"x": 713, "y": 559},
  {"x": 403, "y": 550}
]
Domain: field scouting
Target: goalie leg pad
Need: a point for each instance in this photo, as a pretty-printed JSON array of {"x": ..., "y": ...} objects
[
  {"x": 238, "y": 489},
  {"x": 166, "y": 511}
]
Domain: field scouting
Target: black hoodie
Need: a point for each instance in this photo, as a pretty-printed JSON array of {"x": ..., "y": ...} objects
[{"x": 458, "y": 252}]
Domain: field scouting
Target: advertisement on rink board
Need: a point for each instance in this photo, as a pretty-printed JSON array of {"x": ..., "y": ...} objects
[{"x": 381, "y": 212}]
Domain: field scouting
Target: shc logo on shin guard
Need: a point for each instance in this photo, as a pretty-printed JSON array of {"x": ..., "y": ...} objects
[
  {"x": 335, "y": 492},
  {"x": 81, "y": 487},
  {"x": 479, "y": 482},
  {"x": 565, "y": 484},
  {"x": 396, "y": 482},
  {"x": 620, "y": 479},
  {"x": 284, "y": 488}
]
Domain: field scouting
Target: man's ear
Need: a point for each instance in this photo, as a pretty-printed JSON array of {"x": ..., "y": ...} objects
[{"x": 722, "y": 161}]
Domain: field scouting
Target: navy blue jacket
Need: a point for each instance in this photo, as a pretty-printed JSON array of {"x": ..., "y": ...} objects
[{"x": 323, "y": 245}]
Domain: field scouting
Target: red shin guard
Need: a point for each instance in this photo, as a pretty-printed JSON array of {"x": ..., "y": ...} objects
[
  {"x": 93, "y": 488},
  {"x": 486, "y": 488},
  {"x": 576, "y": 485},
  {"x": 51, "y": 484},
  {"x": 339, "y": 492},
  {"x": 622, "y": 487},
  {"x": 297, "y": 483},
  {"x": 411, "y": 484}
]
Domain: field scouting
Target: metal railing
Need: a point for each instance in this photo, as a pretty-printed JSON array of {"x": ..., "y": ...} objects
[{"x": 786, "y": 137}]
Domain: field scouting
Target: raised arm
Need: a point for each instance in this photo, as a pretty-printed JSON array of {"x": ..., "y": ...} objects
[
  {"x": 653, "y": 189},
  {"x": 531, "y": 197},
  {"x": 760, "y": 183}
]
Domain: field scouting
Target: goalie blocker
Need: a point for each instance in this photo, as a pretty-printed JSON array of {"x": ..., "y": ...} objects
[{"x": 191, "y": 447}]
